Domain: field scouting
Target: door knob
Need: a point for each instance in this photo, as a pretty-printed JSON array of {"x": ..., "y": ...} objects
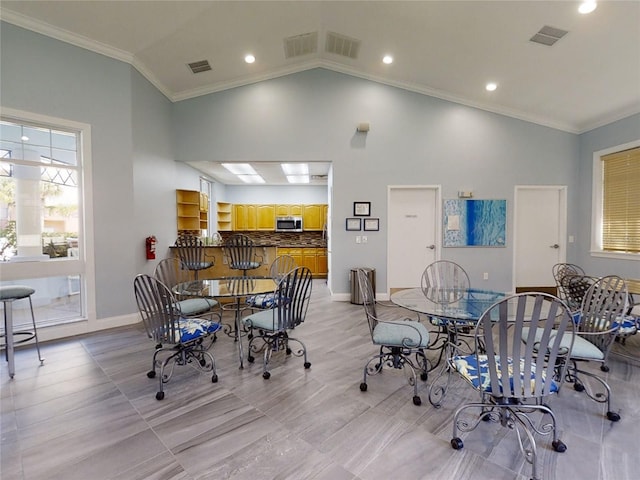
[
  {"x": 431, "y": 247},
  {"x": 555, "y": 245}
]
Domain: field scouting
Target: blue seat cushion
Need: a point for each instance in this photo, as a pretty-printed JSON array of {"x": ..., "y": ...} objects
[
  {"x": 405, "y": 333},
  {"x": 476, "y": 371},
  {"x": 194, "y": 328},
  {"x": 245, "y": 265},
  {"x": 264, "y": 300},
  {"x": 195, "y": 306},
  {"x": 628, "y": 325}
]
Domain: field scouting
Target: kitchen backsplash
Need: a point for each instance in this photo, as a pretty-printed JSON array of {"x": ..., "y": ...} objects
[{"x": 283, "y": 239}]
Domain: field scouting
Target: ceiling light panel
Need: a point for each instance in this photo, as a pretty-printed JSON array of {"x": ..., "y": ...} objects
[
  {"x": 251, "y": 178},
  {"x": 239, "y": 168},
  {"x": 298, "y": 178},
  {"x": 295, "y": 168}
]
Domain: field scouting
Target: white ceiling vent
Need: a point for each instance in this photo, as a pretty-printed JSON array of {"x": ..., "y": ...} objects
[
  {"x": 342, "y": 45},
  {"x": 548, "y": 35},
  {"x": 299, "y": 45},
  {"x": 200, "y": 66}
]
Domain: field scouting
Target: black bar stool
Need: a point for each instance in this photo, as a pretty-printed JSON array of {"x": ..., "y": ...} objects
[{"x": 8, "y": 295}]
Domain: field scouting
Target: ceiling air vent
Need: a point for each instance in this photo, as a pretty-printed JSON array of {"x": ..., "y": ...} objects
[
  {"x": 342, "y": 45},
  {"x": 548, "y": 35},
  {"x": 199, "y": 67},
  {"x": 299, "y": 45}
]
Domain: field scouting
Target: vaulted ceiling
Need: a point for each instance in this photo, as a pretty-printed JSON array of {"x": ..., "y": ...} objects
[{"x": 449, "y": 49}]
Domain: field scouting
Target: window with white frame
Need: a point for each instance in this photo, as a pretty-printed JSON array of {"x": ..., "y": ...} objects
[
  {"x": 616, "y": 201},
  {"x": 41, "y": 210}
]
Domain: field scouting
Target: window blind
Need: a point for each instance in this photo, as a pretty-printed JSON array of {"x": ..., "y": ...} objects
[{"x": 621, "y": 201}]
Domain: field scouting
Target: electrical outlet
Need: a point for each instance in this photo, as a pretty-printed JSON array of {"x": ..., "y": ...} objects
[
  {"x": 358, "y": 239},
  {"x": 485, "y": 275},
  {"x": 364, "y": 239}
]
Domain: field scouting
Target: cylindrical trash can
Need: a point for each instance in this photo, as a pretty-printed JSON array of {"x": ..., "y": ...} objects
[{"x": 356, "y": 293}]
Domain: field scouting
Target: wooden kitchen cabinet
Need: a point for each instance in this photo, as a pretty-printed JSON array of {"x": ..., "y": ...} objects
[
  {"x": 309, "y": 260},
  {"x": 266, "y": 217},
  {"x": 295, "y": 253},
  {"x": 313, "y": 217},
  {"x": 322, "y": 264},
  {"x": 289, "y": 210}
]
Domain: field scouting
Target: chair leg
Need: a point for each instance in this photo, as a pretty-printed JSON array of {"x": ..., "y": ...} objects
[
  {"x": 600, "y": 397},
  {"x": 35, "y": 332}
]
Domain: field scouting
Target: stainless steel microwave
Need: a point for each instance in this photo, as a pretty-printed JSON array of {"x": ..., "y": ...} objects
[{"x": 288, "y": 224}]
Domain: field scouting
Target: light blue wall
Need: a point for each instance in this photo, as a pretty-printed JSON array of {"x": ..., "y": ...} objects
[
  {"x": 414, "y": 139},
  {"x": 134, "y": 174},
  {"x": 612, "y": 135}
]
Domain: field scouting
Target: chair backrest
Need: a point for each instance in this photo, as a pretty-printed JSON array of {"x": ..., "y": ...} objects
[
  {"x": 157, "y": 308},
  {"x": 293, "y": 294},
  {"x": 368, "y": 299},
  {"x": 548, "y": 335},
  {"x": 170, "y": 272},
  {"x": 191, "y": 251},
  {"x": 603, "y": 306},
  {"x": 574, "y": 288},
  {"x": 282, "y": 265},
  {"x": 562, "y": 270},
  {"x": 240, "y": 251},
  {"x": 444, "y": 281}
]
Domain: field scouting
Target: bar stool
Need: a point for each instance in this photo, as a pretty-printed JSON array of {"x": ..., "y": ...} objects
[{"x": 8, "y": 295}]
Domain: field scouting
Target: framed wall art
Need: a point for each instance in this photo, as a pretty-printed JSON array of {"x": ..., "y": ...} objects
[
  {"x": 354, "y": 224},
  {"x": 361, "y": 209},
  {"x": 372, "y": 224},
  {"x": 474, "y": 223}
]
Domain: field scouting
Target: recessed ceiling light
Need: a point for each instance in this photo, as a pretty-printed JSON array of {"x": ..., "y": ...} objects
[
  {"x": 249, "y": 58},
  {"x": 587, "y": 7},
  {"x": 388, "y": 59},
  {"x": 491, "y": 86}
]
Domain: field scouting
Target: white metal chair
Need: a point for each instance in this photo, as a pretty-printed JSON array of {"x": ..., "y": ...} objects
[
  {"x": 270, "y": 329},
  {"x": 399, "y": 340},
  {"x": 514, "y": 378},
  {"x": 179, "y": 340}
]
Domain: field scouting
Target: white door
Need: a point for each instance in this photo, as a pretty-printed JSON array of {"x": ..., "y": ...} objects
[
  {"x": 412, "y": 232},
  {"x": 539, "y": 234}
]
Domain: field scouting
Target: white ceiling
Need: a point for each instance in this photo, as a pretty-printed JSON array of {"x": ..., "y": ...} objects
[{"x": 448, "y": 49}]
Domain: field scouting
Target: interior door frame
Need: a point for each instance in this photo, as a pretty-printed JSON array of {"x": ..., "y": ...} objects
[
  {"x": 438, "y": 221},
  {"x": 562, "y": 227}
]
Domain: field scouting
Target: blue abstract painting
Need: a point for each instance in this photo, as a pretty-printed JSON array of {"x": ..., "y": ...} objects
[{"x": 475, "y": 223}]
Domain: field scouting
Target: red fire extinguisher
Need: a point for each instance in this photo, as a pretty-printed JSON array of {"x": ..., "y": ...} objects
[{"x": 151, "y": 247}]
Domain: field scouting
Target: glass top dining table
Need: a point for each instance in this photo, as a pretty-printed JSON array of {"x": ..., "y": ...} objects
[
  {"x": 466, "y": 304},
  {"x": 231, "y": 287}
]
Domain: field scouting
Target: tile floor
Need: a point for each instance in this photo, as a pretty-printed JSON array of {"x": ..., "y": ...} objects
[{"x": 90, "y": 413}]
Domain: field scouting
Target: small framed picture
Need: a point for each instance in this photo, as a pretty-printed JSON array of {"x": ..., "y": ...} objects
[
  {"x": 354, "y": 224},
  {"x": 372, "y": 224},
  {"x": 361, "y": 209}
]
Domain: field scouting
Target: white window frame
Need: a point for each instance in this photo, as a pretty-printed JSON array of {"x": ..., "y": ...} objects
[
  {"x": 83, "y": 264},
  {"x": 596, "y": 205}
]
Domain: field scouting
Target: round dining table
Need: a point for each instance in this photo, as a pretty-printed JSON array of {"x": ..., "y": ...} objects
[
  {"x": 455, "y": 312},
  {"x": 232, "y": 287}
]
